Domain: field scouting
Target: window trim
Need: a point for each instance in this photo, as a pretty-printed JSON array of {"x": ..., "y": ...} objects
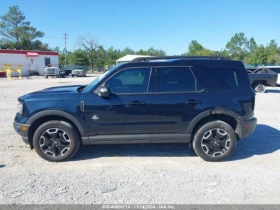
[
  {"x": 176, "y": 92},
  {"x": 136, "y": 67},
  {"x": 152, "y": 68}
]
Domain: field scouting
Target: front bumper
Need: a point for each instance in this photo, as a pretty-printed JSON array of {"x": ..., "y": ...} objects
[
  {"x": 22, "y": 132},
  {"x": 77, "y": 74},
  {"x": 246, "y": 127},
  {"x": 51, "y": 74}
]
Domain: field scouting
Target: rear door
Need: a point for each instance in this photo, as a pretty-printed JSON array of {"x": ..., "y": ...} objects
[{"x": 175, "y": 102}]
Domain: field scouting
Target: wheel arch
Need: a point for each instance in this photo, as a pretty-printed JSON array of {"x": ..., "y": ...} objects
[
  {"x": 210, "y": 115},
  {"x": 41, "y": 117}
]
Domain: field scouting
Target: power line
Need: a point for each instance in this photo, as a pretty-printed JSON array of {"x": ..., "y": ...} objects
[{"x": 65, "y": 38}]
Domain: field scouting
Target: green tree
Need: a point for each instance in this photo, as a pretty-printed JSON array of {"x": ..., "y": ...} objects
[
  {"x": 155, "y": 52},
  {"x": 238, "y": 46},
  {"x": 112, "y": 55},
  {"x": 16, "y": 32},
  {"x": 100, "y": 57},
  {"x": 194, "y": 48},
  {"x": 127, "y": 51},
  {"x": 273, "y": 52},
  {"x": 61, "y": 57},
  {"x": 251, "y": 45},
  {"x": 258, "y": 56},
  {"x": 142, "y": 52},
  {"x": 56, "y": 49},
  {"x": 223, "y": 53},
  {"x": 79, "y": 57}
]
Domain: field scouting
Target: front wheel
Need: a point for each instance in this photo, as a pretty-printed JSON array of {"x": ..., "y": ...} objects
[
  {"x": 56, "y": 141},
  {"x": 214, "y": 141}
]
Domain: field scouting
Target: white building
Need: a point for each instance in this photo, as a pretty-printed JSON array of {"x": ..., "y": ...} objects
[
  {"x": 29, "y": 59},
  {"x": 129, "y": 58}
]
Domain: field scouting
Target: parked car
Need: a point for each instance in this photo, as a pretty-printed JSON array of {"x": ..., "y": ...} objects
[
  {"x": 206, "y": 102},
  {"x": 68, "y": 68},
  {"x": 79, "y": 72},
  {"x": 260, "y": 78},
  {"x": 52, "y": 71}
]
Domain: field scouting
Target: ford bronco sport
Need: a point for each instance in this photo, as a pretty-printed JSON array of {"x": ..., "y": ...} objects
[{"x": 204, "y": 101}]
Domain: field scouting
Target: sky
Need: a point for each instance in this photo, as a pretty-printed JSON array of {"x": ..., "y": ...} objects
[{"x": 140, "y": 24}]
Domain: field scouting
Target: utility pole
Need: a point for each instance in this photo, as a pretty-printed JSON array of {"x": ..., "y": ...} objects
[{"x": 65, "y": 37}]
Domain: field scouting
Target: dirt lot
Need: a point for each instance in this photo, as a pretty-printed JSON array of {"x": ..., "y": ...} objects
[{"x": 149, "y": 174}]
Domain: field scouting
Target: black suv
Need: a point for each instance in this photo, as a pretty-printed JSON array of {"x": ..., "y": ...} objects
[{"x": 204, "y": 101}]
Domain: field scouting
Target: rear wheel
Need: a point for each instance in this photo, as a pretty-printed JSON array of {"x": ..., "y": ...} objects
[
  {"x": 214, "y": 141},
  {"x": 56, "y": 141},
  {"x": 260, "y": 88}
]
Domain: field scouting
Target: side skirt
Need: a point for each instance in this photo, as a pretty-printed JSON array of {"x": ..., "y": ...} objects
[{"x": 137, "y": 139}]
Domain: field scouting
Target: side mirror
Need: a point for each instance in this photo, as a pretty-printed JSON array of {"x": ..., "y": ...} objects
[{"x": 104, "y": 92}]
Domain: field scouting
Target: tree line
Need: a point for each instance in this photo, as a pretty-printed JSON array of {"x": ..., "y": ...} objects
[
  {"x": 18, "y": 33},
  {"x": 240, "y": 47}
]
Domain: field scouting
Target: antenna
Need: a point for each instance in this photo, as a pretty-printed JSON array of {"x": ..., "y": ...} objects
[{"x": 65, "y": 49}]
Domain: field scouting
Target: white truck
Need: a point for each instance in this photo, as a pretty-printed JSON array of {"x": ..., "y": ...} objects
[{"x": 54, "y": 71}]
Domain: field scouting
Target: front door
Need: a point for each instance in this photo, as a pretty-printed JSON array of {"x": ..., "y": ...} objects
[{"x": 126, "y": 110}]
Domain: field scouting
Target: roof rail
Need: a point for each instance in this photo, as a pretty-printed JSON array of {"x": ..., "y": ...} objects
[{"x": 147, "y": 59}]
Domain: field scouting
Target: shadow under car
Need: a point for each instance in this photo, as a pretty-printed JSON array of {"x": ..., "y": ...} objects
[{"x": 264, "y": 140}]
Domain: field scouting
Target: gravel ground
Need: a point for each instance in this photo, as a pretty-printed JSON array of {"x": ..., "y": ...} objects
[{"x": 142, "y": 174}]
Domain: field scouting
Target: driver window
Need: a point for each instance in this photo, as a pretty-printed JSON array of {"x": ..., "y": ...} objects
[{"x": 133, "y": 80}]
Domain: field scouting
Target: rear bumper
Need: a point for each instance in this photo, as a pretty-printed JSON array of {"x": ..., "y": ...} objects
[
  {"x": 246, "y": 127},
  {"x": 21, "y": 132}
]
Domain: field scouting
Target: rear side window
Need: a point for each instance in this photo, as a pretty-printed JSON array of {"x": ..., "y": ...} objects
[
  {"x": 222, "y": 77},
  {"x": 175, "y": 79},
  {"x": 228, "y": 76}
]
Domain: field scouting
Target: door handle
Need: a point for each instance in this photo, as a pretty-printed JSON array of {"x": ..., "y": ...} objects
[
  {"x": 192, "y": 102},
  {"x": 137, "y": 103}
]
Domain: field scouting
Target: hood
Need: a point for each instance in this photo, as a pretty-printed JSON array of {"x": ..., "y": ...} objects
[{"x": 54, "y": 93}]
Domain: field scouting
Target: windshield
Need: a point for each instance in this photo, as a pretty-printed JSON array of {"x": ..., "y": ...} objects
[{"x": 94, "y": 82}]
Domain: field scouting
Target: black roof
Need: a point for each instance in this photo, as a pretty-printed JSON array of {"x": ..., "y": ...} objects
[
  {"x": 147, "y": 59},
  {"x": 207, "y": 61}
]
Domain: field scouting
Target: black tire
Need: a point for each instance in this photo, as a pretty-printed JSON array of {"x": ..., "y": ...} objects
[
  {"x": 46, "y": 77},
  {"x": 260, "y": 88},
  {"x": 207, "y": 146},
  {"x": 67, "y": 138}
]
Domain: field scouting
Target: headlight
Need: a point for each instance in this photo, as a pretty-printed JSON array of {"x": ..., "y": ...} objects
[{"x": 20, "y": 108}]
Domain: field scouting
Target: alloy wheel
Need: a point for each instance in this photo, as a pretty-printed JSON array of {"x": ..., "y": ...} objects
[
  {"x": 215, "y": 142},
  {"x": 55, "y": 142}
]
